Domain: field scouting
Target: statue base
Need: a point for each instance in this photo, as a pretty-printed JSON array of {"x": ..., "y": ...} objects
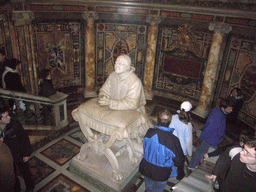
[{"x": 97, "y": 171}]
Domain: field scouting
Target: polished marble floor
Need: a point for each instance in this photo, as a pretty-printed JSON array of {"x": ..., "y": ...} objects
[
  {"x": 50, "y": 160},
  {"x": 50, "y": 166}
]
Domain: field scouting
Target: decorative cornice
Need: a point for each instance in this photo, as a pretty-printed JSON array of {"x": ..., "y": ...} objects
[
  {"x": 236, "y": 5},
  {"x": 145, "y": 7}
]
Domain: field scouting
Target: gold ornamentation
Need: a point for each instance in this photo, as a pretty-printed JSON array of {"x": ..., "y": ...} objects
[{"x": 185, "y": 40}]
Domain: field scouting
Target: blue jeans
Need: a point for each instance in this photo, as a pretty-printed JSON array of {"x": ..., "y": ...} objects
[
  {"x": 154, "y": 186},
  {"x": 203, "y": 148}
]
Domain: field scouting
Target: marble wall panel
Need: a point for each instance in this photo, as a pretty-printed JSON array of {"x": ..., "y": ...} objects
[
  {"x": 113, "y": 39},
  {"x": 240, "y": 71},
  {"x": 58, "y": 47},
  {"x": 172, "y": 83}
]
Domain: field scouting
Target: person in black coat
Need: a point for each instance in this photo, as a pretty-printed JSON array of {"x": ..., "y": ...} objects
[
  {"x": 237, "y": 96},
  {"x": 7, "y": 176},
  {"x": 10, "y": 77},
  {"x": 17, "y": 140},
  {"x": 46, "y": 86}
]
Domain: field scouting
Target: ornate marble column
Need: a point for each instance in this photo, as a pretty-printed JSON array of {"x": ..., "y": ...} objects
[
  {"x": 23, "y": 48},
  {"x": 90, "y": 54},
  {"x": 208, "y": 87},
  {"x": 150, "y": 56}
]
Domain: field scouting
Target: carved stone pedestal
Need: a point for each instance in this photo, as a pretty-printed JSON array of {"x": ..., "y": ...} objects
[{"x": 96, "y": 170}]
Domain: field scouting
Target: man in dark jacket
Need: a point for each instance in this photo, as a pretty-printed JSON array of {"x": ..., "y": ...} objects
[
  {"x": 213, "y": 132},
  {"x": 162, "y": 154},
  {"x": 16, "y": 138},
  {"x": 46, "y": 86},
  {"x": 241, "y": 167}
]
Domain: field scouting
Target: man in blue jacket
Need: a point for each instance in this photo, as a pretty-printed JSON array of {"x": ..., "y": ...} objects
[
  {"x": 162, "y": 154},
  {"x": 213, "y": 132}
]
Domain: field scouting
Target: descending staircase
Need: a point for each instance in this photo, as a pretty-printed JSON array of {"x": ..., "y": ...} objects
[{"x": 196, "y": 181}]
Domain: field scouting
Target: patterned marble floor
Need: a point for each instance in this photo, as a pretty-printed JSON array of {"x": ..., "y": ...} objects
[{"x": 50, "y": 166}]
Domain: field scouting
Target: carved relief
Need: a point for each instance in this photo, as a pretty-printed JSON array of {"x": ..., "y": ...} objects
[
  {"x": 185, "y": 40},
  {"x": 56, "y": 57}
]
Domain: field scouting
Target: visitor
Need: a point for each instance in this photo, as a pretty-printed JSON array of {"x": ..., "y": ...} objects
[
  {"x": 240, "y": 168},
  {"x": 183, "y": 130},
  {"x": 213, "y": 132},
  {"x": 17, "y": 140},
  {"x": 162, "y": 154},
  {"x": 10, "y": 78},
  {"x": 237, "y": 96},
  {"x": 46, "y": 86}
]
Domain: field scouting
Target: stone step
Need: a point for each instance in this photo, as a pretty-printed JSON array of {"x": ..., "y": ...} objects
[{"x": 196, "y": 181}]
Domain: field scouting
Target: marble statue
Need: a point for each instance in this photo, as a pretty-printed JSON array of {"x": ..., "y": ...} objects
[
  {"x": 123, "y": 89},
  {"x": 118, "y": 116}
]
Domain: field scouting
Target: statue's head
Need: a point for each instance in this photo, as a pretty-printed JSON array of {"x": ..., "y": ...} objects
[{"x": 123, "y": 64}]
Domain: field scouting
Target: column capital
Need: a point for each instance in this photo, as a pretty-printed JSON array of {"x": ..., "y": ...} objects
[
  {"x": 153, "y": 20},
  {"x": 220, "y": 28},
  {"x": 22, "y": 17},
  {"x": 90, "y": 16}
]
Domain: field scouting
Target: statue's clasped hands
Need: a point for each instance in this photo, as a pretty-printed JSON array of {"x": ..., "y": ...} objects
[{"x": 104, "y": 100}]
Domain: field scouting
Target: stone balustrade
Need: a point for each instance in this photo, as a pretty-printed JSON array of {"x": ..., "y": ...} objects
[{"x": 38, "y": 112}]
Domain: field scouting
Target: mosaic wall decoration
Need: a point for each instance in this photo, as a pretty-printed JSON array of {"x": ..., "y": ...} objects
[
  {"x": 115, "y": 39},
  {"x": 58, "y": 48},
  {"x": 240, "y": 71},
  {"x": 181, "y": 71}
]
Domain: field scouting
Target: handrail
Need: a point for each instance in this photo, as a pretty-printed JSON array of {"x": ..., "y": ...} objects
[
  {"x": 29, "y": 97},
  {"x": 39, "y": 110}
]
